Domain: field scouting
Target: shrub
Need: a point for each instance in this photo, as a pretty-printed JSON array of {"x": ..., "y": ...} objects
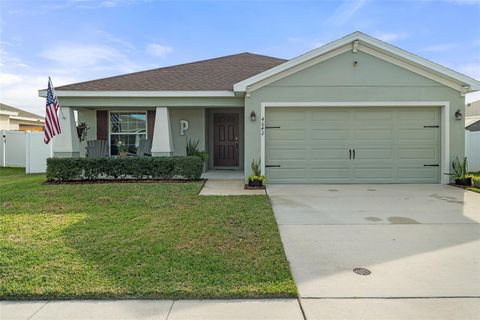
[
  {"x": 256, "y": 167},
  {"x": 65, "y": 169},
  {"x": 192, "y": 150}
]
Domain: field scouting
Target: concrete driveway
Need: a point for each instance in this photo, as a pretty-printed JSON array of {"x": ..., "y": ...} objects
[{"x": 418, "y": 241}]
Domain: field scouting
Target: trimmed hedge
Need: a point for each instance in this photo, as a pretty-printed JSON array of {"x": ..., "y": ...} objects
[{"x": 67, "y": 169}]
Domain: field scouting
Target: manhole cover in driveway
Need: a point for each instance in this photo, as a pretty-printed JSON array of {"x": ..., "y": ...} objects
[{"x": 362, "y": 271}]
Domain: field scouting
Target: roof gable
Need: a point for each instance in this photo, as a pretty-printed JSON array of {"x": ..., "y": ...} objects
[
  {"x": 19, "y": 112},
  {"x": 355, "y": 42}
]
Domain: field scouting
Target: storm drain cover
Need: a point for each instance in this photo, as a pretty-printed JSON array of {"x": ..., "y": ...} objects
[{"x": 362, "y": 271}]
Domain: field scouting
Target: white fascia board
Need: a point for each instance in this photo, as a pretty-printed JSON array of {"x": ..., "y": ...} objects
[
  {"x": 27, "y": 119},
  {"x": 139, "y": 94},
  {"x": 468, "y": 84},
  {"x": 8, "y": 113}
]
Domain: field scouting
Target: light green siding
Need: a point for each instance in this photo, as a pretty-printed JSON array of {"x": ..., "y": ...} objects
[
  {"x": 90, "y": 118},
  {"x": 339, "y": 80},
  {"x": 196, "y": 131}
]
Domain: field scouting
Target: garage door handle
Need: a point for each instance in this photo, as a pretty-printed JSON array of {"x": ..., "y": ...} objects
[
  {"x": 272, "y": 166},
  {"x": 349, "y": 153},
  {"x": 353, "y": 154}
]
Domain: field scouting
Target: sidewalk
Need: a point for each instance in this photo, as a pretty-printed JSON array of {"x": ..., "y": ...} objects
[{"x": 278, "y": 309}]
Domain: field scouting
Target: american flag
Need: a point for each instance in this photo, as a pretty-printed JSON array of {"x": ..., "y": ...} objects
[{"x": 52, "y": 125}]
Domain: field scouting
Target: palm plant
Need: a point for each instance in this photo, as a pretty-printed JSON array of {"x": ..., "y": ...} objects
[{"x": 459, "y": 172}]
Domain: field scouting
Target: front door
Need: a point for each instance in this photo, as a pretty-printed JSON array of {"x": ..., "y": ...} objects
[{"x": 225, "y": 139}]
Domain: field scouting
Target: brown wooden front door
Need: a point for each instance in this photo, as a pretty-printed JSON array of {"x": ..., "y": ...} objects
[{"x": 225, "y": 139}]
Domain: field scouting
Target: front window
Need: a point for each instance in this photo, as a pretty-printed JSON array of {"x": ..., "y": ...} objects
[{"x": 126, "y": 131}]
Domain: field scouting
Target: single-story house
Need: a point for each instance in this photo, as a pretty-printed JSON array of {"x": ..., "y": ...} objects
[
  {"x": 356, "y": 110},
  {"x": 472, "y": 116},
  {"x": 12, "y": 118}
]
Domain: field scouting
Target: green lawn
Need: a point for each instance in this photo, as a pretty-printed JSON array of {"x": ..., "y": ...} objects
[
  {"x": 136, "y": 240},
  {"x": 475, "y": 175}
]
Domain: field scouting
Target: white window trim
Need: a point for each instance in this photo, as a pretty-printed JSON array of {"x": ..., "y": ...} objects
[
  {"x": 444, "y": 123},
  {"x": 114, "y": 133}
]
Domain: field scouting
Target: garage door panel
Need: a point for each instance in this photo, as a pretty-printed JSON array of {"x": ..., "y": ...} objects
[
  {"x": 329, "y": 153},
  {"x": 418, "y": 114},
  {"x": 373, "y": 134},
  {"x": 418, "y": 153},
  {"x": 377, "y": 153},
  {"x": 372, "y": 115},
  {"x": 417, "y": 134},
  {"x": 334, "y": 172},
  {"x": 286, "y": 115},
  {"x": 425, "y": 174},
  {"x": 327, "y": 114},
  {"x": 391, "y": 145},
  {"x": 332, "y": 134},
  {"x": 287, "y": 174},
  {"x": 287, "y": 135},
  {"x": 286, "y": 154}
]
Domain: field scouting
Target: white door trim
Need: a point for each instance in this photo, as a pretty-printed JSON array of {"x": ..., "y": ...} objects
[{"x": 444, "y": 126}]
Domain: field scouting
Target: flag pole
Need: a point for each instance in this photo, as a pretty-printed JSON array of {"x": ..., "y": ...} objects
[{"x": 55, "y": 94}]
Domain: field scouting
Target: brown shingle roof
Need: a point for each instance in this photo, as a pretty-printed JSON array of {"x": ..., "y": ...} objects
[
  {"x": 21, "y": 113},
  {"x": 207, "y": 75}
]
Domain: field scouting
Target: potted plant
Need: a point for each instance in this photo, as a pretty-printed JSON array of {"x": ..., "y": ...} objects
[
  {"x": 82, "y": 129},
  {"x": 122, "y": 149},
  {"x": 459, "y": 172},
  {"x": 256, "y": 179}
]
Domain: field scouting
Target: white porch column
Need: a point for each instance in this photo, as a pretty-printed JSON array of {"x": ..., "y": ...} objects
[
  {"x": 66, "y": 144},
  {"x": 162, "y": 140}
]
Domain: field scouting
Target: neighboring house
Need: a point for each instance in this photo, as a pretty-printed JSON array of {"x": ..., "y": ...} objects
[
  {"x": 472, "y": 116},
  {"x": 12, "y": 118},
  {"x": 356, "y": 110}
]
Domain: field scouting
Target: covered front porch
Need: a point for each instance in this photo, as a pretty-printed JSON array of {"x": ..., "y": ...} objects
[{"x": 153, "y": 131}]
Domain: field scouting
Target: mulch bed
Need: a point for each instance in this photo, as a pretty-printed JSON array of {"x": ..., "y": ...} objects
[
  {"x": 247, "y": 187},
  {"x": 103, "y": 181}
]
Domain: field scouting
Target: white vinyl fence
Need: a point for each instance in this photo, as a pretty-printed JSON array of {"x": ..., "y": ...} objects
[
  {"x": 24, "y": 149},
  {"x": 472, "y": 150}
]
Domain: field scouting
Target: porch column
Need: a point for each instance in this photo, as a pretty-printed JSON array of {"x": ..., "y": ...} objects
[
  {"x": 66, "y": 144},
  {"x": 162, "y": 140}
]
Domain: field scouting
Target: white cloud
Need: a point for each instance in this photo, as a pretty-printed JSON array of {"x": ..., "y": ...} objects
[
  {"x": 83, "y": 55},
  {"x": 65, "y": 63},
  {"x": 22, "y": 90},
  {"x": 391, "y": 36},
  {"x": 345, "y": 11},
  {"x": 8, "y": 79},
  {"x": 159, "y": 50}
]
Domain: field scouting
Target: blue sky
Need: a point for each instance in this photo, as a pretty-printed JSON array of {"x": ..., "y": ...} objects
[{"x": 78, "y": 40}]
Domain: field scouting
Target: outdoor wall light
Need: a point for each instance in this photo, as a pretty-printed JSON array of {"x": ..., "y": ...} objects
[
  {"x": 458, "y": 115},
  {"x": 253, "y": 116}
]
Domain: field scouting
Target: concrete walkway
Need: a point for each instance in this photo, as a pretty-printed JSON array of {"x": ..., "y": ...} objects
[
  {"x": 228, "y": 187},
  {"x": 226, "y": 183},
  {"x": 278, "y": 309}
]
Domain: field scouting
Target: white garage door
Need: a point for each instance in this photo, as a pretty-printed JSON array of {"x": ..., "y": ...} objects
[{"x": 353, "y": 145}]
